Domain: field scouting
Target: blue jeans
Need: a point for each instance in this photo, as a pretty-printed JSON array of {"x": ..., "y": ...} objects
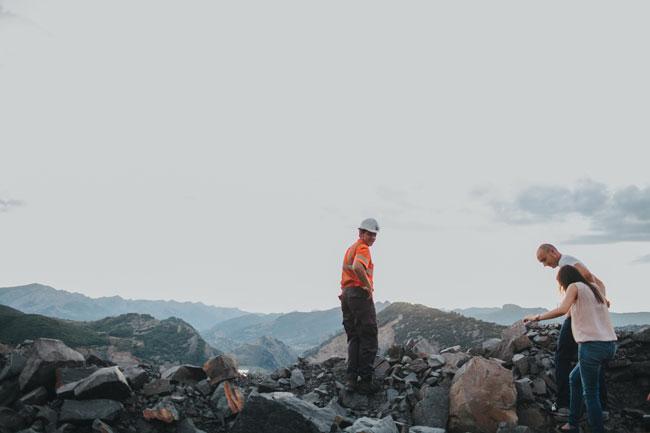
[
  {"x": 566, "y": 355},
  {"x": 585, "y": 382}
]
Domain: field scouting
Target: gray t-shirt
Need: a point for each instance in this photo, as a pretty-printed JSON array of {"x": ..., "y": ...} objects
[{"x": 568, "y": 260}]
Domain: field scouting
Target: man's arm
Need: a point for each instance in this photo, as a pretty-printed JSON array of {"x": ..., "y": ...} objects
[
  {"x": 588, "y": 275},
  {"x": 360, "y": 270},
  {"x": 592, "y": 279}
]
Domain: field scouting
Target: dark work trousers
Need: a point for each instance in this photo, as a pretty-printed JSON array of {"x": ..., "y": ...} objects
[
  {"x": 566, "y": 356},
  {"x": 360, "y": 323}
]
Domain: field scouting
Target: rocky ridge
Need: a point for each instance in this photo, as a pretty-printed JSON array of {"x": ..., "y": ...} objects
[{"x": 502, "y": 385}]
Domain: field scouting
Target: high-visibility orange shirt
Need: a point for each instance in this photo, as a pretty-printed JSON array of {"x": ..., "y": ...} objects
[{"x": 358, "y": 252}]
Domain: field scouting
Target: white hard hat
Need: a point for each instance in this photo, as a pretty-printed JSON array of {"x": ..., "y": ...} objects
[{"x": 369, "y": 225}]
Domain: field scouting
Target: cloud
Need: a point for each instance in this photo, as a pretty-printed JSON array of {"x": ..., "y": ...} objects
[
  {"x": 642, "y": 260},
  {"x": 7, "y": 205},
  {"x": 614, "y": 215}
]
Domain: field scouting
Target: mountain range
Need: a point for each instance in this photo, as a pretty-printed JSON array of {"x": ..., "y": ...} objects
[
  {"x": 510, "y": 313},
  {"x": 48, "y": 301},
  {"x": 125, "y": 339}
]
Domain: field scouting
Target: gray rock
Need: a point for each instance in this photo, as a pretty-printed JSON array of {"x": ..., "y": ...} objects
[
  {"x": 283, "y": 412},
  {"x": 539, "y": 386},
  {"x": 453, "y": 361},
  {"x": 158, "y": 387},
  {"x": 48, "y": 416},
  {"x": 490, "y": 346},
  {"x": 47, "y": 355},
  {"x": 391, "y": 394},
  {"x": 534, "y": 417},
  {"x": 381, "y": 367},
  {"x": 15, "y": 364},
  {"x": 433, "y": 409},
  {"x": 9, "y": 391},
  {"x": 36, "y": 397},
  {"x": 423, "y": 347},
  {"x": 524, "y": 390},
  {"x": 411, "y": 378},
  {"x": 422, "y": 429},
  {"x": 521, "y": 363},
  {"x": 136, "y": 376},
  {"x": 88, "y": 410},
  {"x": 372, "y": 425},
  {"x": 297, "y": 379},
  {"x": 204, "y": 387},
  {"x": 187, "y": 426},
  {"x": 513, "y": 429},
  {"x": 353, "y": 400},
  {"x": 220, "y": 400},
  {"x": 642, "y": 335},
  {"x": 268, "y": 385},
  {"x": 107, "y": 382},
  {"x": 66, "y": 391},
  {"x": 101, "y": 427},
  {"x": 514, "y": 339},
  {"x": 66, "y": 375},
  {"x": 436, "y": 361},
  {"x": 11, "y": 420},
  {"x": 312, "y": 397},
  {"x": 452, "y": 349},
  {"x": 187, "y": 374}
]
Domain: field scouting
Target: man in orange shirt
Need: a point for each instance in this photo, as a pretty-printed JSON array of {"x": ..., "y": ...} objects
[{"x": 359, "y": 316}]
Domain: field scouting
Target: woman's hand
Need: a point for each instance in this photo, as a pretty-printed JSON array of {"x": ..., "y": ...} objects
[{"x": 531, "y": 318}]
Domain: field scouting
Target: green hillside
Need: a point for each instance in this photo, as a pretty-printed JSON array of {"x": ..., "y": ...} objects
[{"x": 16, "y": 327}]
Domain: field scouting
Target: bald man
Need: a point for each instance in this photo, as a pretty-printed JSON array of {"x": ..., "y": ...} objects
[{"x": 566, "y": 353}]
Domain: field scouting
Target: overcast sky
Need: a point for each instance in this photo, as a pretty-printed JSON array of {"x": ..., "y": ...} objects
[{"x": 225, "y": 152}]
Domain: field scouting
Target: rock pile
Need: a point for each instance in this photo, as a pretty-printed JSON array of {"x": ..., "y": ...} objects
[{"x": 502, "y": 385}]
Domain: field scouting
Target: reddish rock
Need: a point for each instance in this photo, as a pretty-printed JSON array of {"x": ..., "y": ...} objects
[
  {"x": 220, "y": 368},
  {"x": 482, "y": 395}
]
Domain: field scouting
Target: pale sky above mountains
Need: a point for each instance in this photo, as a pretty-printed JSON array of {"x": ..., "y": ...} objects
[{"x": 225, "y": 152}]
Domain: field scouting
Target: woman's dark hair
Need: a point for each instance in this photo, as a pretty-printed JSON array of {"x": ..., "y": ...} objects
[{"x": 569, "y": 275}]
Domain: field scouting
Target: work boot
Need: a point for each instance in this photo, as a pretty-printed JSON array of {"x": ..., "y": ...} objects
[
  {"x": 351, "y": 382},
  {"x": 368, "y": 386}
]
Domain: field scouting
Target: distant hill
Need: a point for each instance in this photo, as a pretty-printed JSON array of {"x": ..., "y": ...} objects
[
  {"x": 170, "y": 340},
  {"x": 299, "y": 330},
  {"x": 16, "y": 327},
  {"x": 401, "y": 321},
  {"x": 266, "y": 353},
  {"x": 510, "y": 313},
  {"x": 48, "y": 301}
]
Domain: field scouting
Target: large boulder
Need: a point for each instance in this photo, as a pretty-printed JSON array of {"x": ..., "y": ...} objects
[
  {"x": 136, "y": 376},
  {"x": 14, "y": 365},
  {"x": 67, "y": 380},
  {"x": 107, "y": 382},
  {"x": 283, "y": 412},
  {"x": 47, "y": 355},
  {"x": 482, "y": 395},
  {"x": 9, "y": 391},
  {"x": 187, "y": 374},
  {"x": 220, "y": 368},
  {"x": 372, "y": 425},
  {"x": 11, "y": 420},
  {"x": 513, "y": 340},
  {"x": 75, "y": 411},
  {"x": 433, "y": 409}
]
